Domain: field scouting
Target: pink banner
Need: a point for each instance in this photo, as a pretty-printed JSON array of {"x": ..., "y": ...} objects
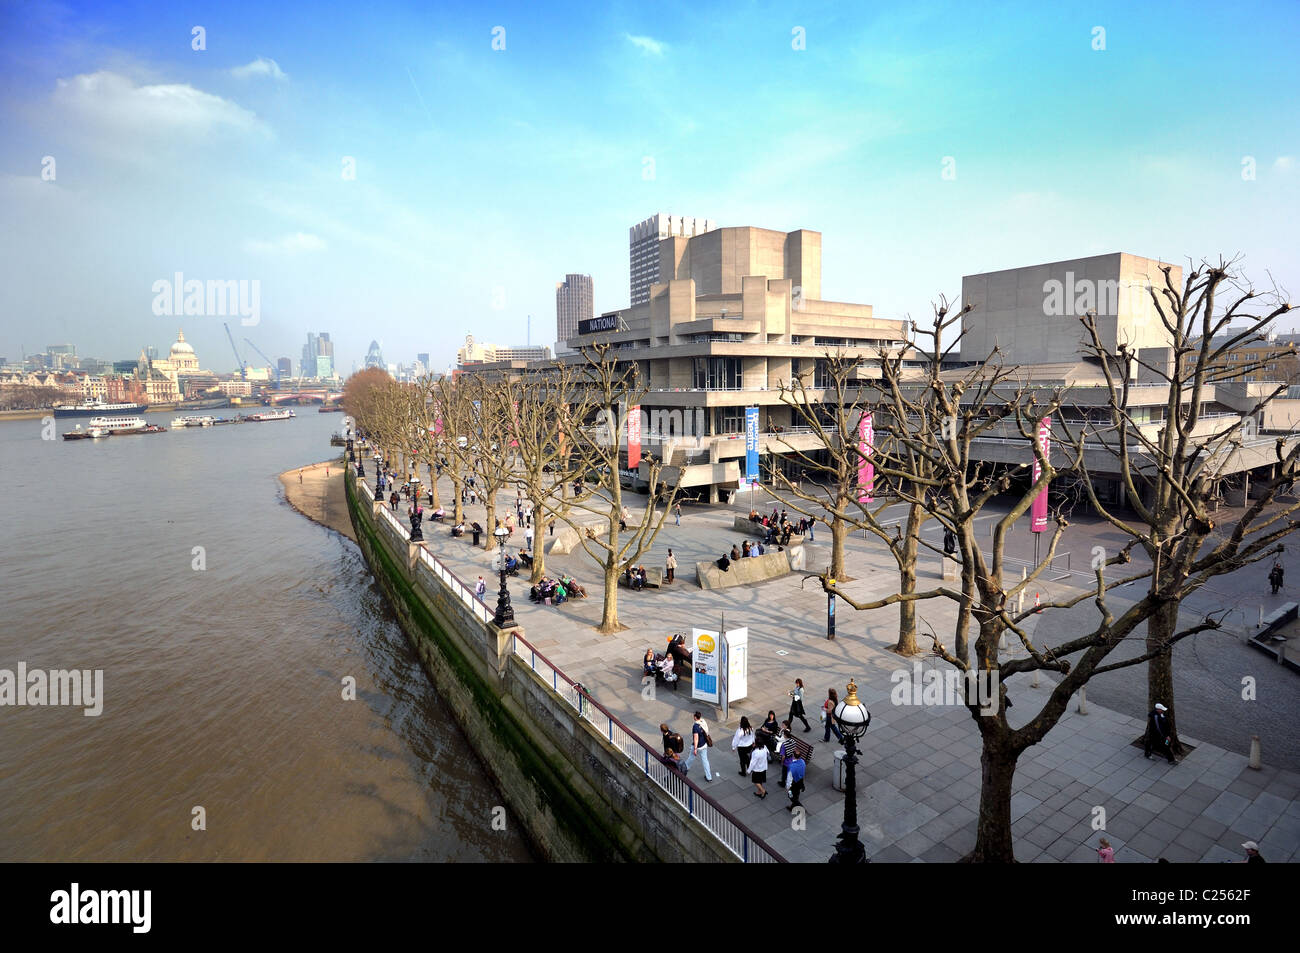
[
  {"x": 866, "y": 470},
  {"x": 1038, "y": 513},
  {"x": 634, "y": 437}
]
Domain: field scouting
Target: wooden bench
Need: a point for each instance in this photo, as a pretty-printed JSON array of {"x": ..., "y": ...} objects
[{"x": 803, "y": 748}]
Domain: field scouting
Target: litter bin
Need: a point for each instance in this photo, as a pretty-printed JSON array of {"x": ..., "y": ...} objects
[{"x": 837, "y": 771}]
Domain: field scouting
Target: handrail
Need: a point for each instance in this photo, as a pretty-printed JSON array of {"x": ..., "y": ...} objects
[{"x": 734, "y": 834}]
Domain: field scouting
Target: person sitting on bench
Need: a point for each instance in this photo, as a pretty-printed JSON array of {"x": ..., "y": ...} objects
[
  {"x": 649, "y": 664},
  {"x": 573, "y": 588},
  {"x": 439, "y": 514},
  {"x": 668, "y": 671},
  {"x": 512, "y": 565},
  {"x": 458, "y": 529},
  {"x": 724, "y": 563},
  {"x": 525, "y": 559}
]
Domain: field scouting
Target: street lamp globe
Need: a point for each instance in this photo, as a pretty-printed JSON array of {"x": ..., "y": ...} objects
[{"x": 851, "y": 715}]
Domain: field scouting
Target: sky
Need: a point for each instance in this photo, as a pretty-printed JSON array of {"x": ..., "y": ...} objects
[{"x": 414, "y": 173}]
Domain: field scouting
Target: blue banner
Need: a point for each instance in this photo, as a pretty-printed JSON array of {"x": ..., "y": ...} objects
[{"x": 751, "y": 445}]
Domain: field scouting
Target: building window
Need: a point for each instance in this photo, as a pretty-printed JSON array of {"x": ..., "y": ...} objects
[
  {"x": 730, "y": 420},
  {"x": 718, "y": 373}
]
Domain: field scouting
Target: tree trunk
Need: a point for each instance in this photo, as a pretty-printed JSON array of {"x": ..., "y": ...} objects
[
  {"x": 993, "y": 834},
  {"x": 839, "y": 530},
  {"x": 907, "y": 584},
  {"x": 458, "y": 510},
  {"x": 1161, "y": 627},
  {"x": 609, "y": 623},
  {"x": 490, "y": 526},
  {"x": 433, "y": 487},
  {"x": 539, "y": 547}
]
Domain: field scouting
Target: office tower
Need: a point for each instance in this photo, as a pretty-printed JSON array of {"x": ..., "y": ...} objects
[
  {"x": 643, "y": 248},
  {"x": 573, "y": 303}
]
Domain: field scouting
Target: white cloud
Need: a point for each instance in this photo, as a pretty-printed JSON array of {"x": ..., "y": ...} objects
[
  {"x": 297, "y": 243},
  {"x": 1284, "y": 163},
  {"x": 111, "y": 100},
  {"x": 646, "y": 44},
  {"x": 259, "y": 67}
]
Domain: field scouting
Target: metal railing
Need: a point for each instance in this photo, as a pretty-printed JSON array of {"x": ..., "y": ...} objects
[
  {"x": 719, "y": 822},
  {"x": 454, "y": 583},
  {"x": 738, "y": 838}
]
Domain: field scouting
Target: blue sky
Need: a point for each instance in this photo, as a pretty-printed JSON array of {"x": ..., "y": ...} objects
[{"x": 483, "y": 176}]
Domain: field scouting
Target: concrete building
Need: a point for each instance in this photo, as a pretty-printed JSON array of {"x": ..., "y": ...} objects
[
  {"x": 475, "y": 352},
  {"x": 738, "y": 312},
  {"x": 1032, "y": 314},
  {"x": 574, "y": 302},
  {"x": 645, "y": 266}
]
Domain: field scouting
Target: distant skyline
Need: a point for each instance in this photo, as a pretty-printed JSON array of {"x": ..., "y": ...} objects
[{"x": 387, "y": 174}]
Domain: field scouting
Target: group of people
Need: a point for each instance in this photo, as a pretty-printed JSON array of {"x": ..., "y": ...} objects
[
  {"x": 636, "y": 577},
  {"x": 555, "y": 591},
  {"x": 757, "y": 748}
]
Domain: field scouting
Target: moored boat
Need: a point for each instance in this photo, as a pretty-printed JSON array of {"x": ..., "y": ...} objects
[
  {"x": 272, "y": 415},
  {"x": 120, "y": 425},
  {"x": 95, "y": 408},
  {"x": 194, "y": 420}
]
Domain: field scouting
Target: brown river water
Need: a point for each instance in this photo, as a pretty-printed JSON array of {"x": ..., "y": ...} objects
[{"x": 222, "y": 685}]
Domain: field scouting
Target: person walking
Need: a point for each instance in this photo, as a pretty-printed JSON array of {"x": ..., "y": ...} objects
[
  {"x": 528, "y": 538},
  {"x": 677, "y": 513},
  {"x": 742, "y": 742},
  {"x": 796, "y": 705},
  {"x": 300, "y": 477},
  {"x": 700, "y": 745},
  {"x": 670, "y": 566},
  {"x": 758, "y": 771},
  {"x": 1275, "y": 576},
  {"x": 797, "y": 767},
  {"x": 481, "y": 588},
  {"x": 1158, "y": 734},
  {"x": 1105, "y": 853},
  {"x": 828, "y": 717},
  {"x": 812, "y": 538}
]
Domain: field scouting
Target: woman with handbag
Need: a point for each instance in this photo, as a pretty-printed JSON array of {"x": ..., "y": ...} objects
[{"x": 796, "y": 705}]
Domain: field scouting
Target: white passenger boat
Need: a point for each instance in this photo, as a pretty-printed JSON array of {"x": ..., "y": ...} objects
[{"x": 194, "y": 420}]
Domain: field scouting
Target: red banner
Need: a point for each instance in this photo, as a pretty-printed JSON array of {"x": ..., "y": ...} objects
[
  {"x": 634, "y": 437},
  {"x": 866, "y": 470},
  {"x": 1038, "y": 513}
]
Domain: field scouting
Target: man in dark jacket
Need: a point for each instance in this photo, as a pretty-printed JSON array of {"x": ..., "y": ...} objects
[{"x": 1158, "y": 733}]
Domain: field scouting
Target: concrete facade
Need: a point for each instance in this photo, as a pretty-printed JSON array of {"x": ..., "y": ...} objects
[
  {"x": 644, "y": 243},
  {"x": 1032, "y": 314}
]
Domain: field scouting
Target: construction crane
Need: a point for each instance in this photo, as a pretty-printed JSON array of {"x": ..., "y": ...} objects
[
  {"x": 270, "y": 363},
  {"x": 243, "y": 368}
]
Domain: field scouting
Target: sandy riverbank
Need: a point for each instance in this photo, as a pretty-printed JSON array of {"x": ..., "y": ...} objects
[{"x": 316, "y": 491}]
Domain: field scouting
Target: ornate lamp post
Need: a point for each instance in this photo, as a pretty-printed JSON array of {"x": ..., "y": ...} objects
[
  {"x": 505, "y": 614},
  {"x": 853, "y": 719}
]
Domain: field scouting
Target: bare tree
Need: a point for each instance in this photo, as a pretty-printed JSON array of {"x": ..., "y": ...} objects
[
  {"x": 1170, "y": 472},
  {"x": 987, "y": 400},
  {"x": 597, "y": 454},
  {"x": 548, "y": 406}
]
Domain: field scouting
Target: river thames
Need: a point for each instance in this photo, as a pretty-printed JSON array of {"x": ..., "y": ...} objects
[{"x": 225, "y": 625}]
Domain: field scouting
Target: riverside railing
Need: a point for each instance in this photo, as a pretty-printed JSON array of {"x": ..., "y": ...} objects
[{"x": 717, "y": 820}]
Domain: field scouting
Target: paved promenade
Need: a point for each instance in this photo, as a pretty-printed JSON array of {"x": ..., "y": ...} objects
[{"x": 918, "y": 780}]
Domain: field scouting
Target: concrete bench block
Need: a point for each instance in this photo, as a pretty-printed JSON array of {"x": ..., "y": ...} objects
[{"x": 743, "y": 572}]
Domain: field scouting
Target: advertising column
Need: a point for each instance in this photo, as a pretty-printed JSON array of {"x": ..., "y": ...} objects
[{"x": 704, "y": 663}]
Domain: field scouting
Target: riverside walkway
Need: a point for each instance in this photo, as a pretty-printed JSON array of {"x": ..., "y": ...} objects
[{"x": 918, "y": 776}]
